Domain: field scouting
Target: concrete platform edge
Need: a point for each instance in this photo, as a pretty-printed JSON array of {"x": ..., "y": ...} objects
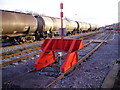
[{"x": 110, "y": 78}]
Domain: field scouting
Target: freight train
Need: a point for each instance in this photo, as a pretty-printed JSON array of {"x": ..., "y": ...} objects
[{"x": 23, "y": 27}]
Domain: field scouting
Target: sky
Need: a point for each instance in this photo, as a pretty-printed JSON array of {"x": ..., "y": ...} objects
[{"x": 100, "y": 12}]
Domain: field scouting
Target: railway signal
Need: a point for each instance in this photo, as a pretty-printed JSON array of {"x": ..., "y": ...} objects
[{"x": 61, "y": 16}]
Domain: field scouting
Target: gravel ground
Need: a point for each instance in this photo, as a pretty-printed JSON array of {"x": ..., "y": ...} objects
[
  {"x": 33, "y": 44},
  {"x": 90, "y": 74},
  {"x": 19, "y": 47},
  {"x": 18, "y": 56},
  {"x": 81, "y": 78}
]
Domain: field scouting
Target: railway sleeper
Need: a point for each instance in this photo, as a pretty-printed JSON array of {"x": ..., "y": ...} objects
[{"x": 99, "y": 41}]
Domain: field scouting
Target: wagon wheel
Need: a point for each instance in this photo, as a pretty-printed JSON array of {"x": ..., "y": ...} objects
[
  {"x": 20, "y": 40},
  {"x": 30, "y": 39}
]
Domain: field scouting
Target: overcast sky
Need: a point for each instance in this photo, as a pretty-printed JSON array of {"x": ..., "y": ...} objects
[{"x": 101, "y": 12}]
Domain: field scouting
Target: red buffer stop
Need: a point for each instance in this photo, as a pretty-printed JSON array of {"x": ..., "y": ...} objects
[{"x": 50, "y": 46}]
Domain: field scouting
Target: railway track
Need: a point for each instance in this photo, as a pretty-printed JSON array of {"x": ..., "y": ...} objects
[
  {"x": 27, "y": 56},
  {"x": 37, "y": 43},
  {"x": 29, "y": 43},
  {"x": 21, "y": 48},
  {"x": 80, "y": 61}
]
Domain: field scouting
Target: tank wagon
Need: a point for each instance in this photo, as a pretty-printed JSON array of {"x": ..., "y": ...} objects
[
  {"x": 93, "y": 27},
  {"x": 83, "y": 27},
  {"x": 22, "y": 27},
  {"x": 18, "y": 26},
  {"x": 45, "y": 26}
]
